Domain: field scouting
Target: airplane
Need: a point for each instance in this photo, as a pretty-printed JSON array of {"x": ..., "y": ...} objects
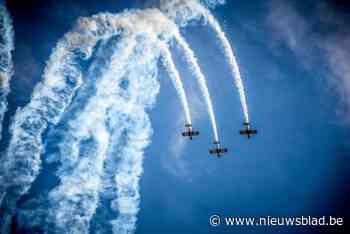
[
  {"x": 218, "y": 150},
  {"x": 190, "y": 133},
  {"x": 247, "y": 131}
]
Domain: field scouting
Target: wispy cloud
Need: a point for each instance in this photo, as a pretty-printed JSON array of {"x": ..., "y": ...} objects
[{"x": 316, "y": 39}]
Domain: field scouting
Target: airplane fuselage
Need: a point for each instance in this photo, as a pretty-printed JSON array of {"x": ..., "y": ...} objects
[
  {"x": 218, "y": 151},
  {"x": 247, "y": 131},
  {"x": 190, "y": 132}
]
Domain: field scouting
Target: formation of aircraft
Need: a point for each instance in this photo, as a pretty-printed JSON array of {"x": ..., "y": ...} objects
[{"x": 218, "y": 151}]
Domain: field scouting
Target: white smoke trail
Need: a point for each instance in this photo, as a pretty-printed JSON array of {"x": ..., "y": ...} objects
[
  {"x": 127, "y": 206},
  {"x": 21, "y": 161},
  {"x": 192, "y": 61},
  {"x": 89, "y": 31},
  {"x": 175, "y": 77},
  {"x": 80, "y": 126},
  {"x": 230, "y": 56},
  {"x": 61, "y": 79},
  {"x": 6, "y": 66},
  {"x": 72, "y": 171},
  {"x": 74, "y": 201},
  {"x": 129, "y": 170},
  {"x": 131, "y": 130},
  {"x": 183, "y": 11}
]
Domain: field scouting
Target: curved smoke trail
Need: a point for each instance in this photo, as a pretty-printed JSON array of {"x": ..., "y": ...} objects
[
  {"x": 230, "y": 56},
  {"x": 183, "y": 11},
  {"x": 66, "y": 196},
  {"x": 192, "y": 61},
  {"x": 175, "y": 77},
  {"x": 107, "y": 136},
  {"x": 21, "y": 161},
  {"x": 6, "y": 66},
  {"x": 130, "y": 133},
  {"x": 69, "y": 146},
  {"x": 62, "y": 77},
  {"x": 75, "y": 200},
  {"x": 76, "y": 204}
]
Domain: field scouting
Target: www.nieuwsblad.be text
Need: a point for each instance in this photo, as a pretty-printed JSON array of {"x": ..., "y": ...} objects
[{"x": 216, "y": 220}]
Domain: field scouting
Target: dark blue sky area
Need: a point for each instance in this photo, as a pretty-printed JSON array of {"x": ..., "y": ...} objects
[{"x": 298, "y": 163}]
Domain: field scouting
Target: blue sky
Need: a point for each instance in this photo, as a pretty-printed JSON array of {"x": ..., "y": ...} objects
[{"x": 297, "y": 96}]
